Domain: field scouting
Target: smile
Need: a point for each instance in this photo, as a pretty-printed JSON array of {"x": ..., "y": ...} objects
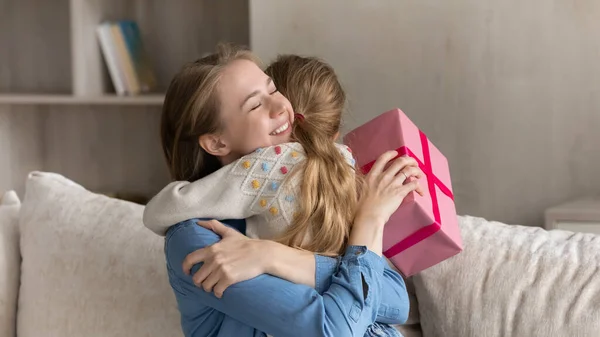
[{"x": 281, "y": 129}]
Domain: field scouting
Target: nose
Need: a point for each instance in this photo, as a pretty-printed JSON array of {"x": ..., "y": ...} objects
[{"x": 278, "y": 107}]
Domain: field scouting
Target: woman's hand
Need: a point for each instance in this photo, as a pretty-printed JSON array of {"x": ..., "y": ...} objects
[
  {"x": 384, "y": 191},
  {"x": 234, "y": 259}
]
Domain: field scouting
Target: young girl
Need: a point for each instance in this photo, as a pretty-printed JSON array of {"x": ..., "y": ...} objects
[
  {"x": 301, "y": 194},
  {"x": 251, "y": 179}
]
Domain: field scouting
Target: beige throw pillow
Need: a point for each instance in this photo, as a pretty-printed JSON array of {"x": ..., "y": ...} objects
[
  {"x": 412, "y": 327},
  {"x": 513, "y": 281},
  {"x": 10, "y": 260},
  {"x": 90, "y": 267}
]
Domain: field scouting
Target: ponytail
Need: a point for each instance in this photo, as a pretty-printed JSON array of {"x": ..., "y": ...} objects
[
  {"x": 328, "y": 194},
  {"x": 329, "y": 185}
]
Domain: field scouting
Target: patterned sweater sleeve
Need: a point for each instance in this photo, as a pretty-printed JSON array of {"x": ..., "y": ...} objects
[{"x": 246, "y": 187}]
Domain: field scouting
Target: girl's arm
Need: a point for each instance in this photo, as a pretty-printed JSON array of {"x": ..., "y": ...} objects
[{"x": 239, "y": 190}]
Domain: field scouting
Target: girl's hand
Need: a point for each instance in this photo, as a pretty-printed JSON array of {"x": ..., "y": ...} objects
[
  {"x": 385, "y": 189},
  {"x": 234, "y": 259}
]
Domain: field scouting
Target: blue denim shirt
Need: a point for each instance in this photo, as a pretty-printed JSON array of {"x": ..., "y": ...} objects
[{"x": 270, "y": 305}]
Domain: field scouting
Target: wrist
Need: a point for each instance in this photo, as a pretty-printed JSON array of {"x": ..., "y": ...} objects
[
  {"x": 295, "y": 265},
  {"x": 266, "y": 247},
  {"x": 367, "y": 234},
  {"x": 277, "y": 256},
  {"x": 370, "y": 220}
]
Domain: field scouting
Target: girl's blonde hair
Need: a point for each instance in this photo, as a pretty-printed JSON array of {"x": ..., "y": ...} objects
[
  {"x": 191, "y": 109},
  {"x": 330, "y": 186}
]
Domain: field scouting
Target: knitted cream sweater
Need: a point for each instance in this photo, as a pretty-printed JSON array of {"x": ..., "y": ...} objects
[{"x": 261, "y": 187}]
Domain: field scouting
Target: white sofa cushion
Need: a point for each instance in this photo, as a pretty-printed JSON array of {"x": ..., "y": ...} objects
[
  {"x": 513, "y": 281},
  {"x": 90, "y": 267},
  {"x": 10, "y": 260},
  {"x": 412, "y": 326}
]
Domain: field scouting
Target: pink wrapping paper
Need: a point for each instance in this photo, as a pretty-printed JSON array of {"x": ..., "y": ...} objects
[{"x": 424, "y": 230}]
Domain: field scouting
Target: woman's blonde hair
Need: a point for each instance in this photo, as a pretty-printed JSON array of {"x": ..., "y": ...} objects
[
  {"x": 330, "y": 186},
  {"x": 191, "y": 109}
]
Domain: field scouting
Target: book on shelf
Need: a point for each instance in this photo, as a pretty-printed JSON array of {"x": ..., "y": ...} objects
[{"x": 125, "y": 57}]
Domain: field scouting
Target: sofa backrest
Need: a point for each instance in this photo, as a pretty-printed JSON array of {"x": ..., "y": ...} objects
[{"x": 513, "y": 281}]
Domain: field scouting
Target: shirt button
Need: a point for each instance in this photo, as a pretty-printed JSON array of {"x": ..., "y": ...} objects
[{"x": 357, "y": 252}]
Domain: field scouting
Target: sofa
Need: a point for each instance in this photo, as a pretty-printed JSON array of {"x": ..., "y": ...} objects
[{"x": 74, "y": 263}]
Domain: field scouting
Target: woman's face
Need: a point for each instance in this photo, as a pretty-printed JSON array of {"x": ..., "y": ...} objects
[{"x": 253, "y": 112}]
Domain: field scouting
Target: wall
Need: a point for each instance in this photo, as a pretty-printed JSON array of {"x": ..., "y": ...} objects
[
  {"x": 508, "y": 90},
  {"x": 21, "y": 146}
]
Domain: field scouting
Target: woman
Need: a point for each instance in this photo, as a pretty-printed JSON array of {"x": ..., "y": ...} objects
[{"x": 217, "y": 110}]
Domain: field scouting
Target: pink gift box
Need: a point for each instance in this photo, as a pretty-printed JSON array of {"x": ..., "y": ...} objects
[{"x": 424, "y": 230}]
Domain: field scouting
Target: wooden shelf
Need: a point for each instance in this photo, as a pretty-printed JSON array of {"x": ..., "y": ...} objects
[
  {"x": 34, "y": 99},
  {"x": 58, "y": 108}
]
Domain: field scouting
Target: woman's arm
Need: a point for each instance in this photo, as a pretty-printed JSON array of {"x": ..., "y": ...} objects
[
  {"x": 300, "y": 267},
  {"x": 276, "y": 306},
  {"x": 294, "y": 265},
  {"x": 345, "y": 309},
  {"x": 238, "y": 258}
]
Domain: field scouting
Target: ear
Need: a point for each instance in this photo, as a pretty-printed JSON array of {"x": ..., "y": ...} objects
[{"x": 212, "y": 144}]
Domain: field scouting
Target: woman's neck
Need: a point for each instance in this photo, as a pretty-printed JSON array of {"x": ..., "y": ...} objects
[{"x": 228, "y": 159}]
